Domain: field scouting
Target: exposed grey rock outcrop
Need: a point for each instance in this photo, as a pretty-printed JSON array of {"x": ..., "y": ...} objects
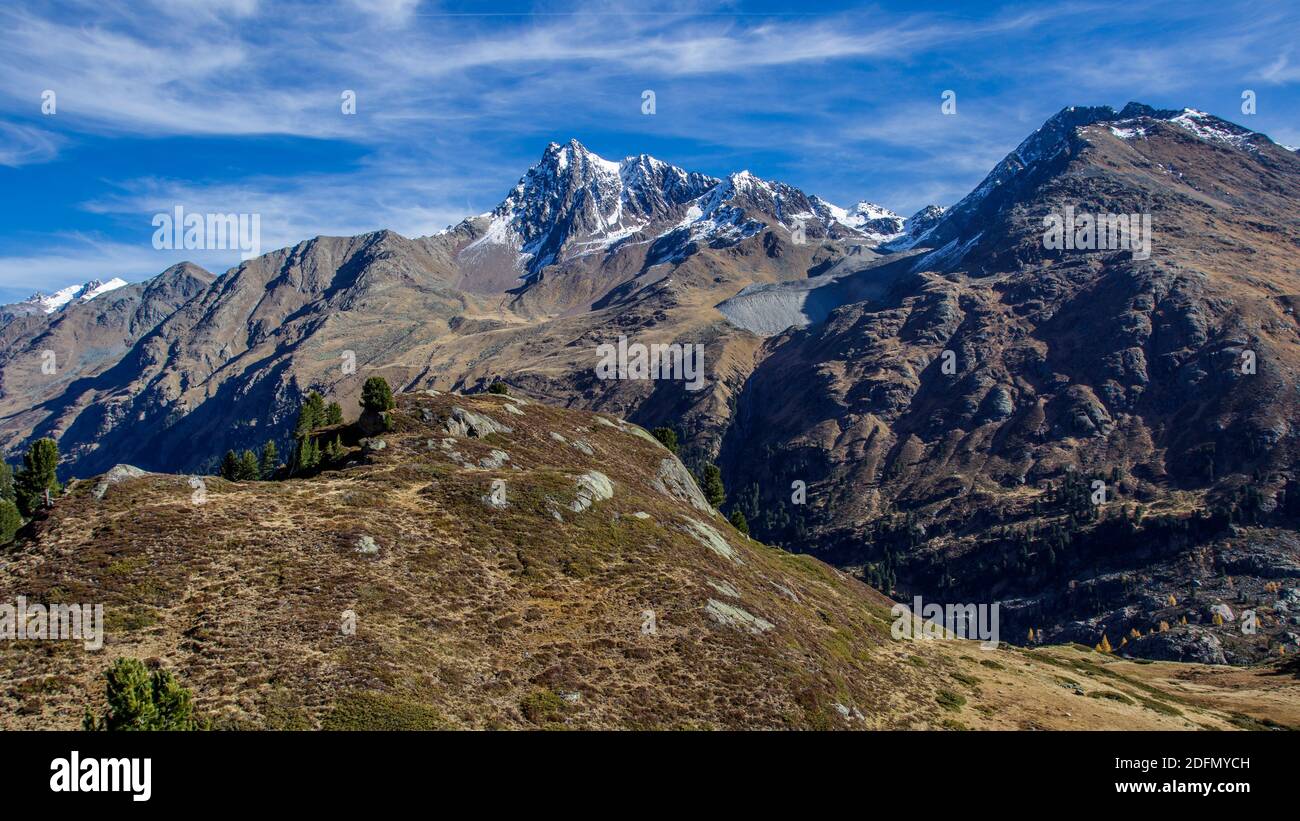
[
  {"x": 674, "y": 480},
  {"x": 117, "y": 474},
  {"x": 731, "y": 616},
  {"x": 468, "y": 423},
  {"x": 593, "y": 487}
]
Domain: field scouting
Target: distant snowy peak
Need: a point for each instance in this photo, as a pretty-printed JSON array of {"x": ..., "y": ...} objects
[
  {"x": 573, "y": 201},
  {"x": 916, "y": 228},
  {"x": 73, "y": 293},
  {"x": 875, "y": 222}
]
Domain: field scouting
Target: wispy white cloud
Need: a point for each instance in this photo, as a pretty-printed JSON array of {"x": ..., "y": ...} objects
[
  {"x": 24, "y": 144},
  {"x": 452, "y": 107}
]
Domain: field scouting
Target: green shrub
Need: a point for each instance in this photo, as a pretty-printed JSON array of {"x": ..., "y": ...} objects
[
  {"x": 949, "y": 700},
  {"x": 542, "y": 707},
  {"x": 1111, "y": 695},
  {"x": 138, "y": 700},
  {"x": 381, "y": 711}
]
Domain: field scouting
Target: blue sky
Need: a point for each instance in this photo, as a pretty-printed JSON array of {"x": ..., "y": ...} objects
[{"x": 234, "y": 105}]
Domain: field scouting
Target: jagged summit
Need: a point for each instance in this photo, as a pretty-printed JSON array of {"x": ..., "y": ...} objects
[
  {"x": 574, "y": 202},
  {"x": 49, "y": 303}
]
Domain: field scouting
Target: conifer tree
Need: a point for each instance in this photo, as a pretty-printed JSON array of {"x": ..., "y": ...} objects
[
  {"x": 138, "y": 700},
  {"x": 10, "y": 521},
  {"x": 230, "y": 466},
  {"x": 667, "y": 437},
  {"x": 738, "y": 521},
  {"x": 37, "y": 475},
  {"x": 7, "y": 482},
  {"x": 711, "y": 485},
  {"x": 248, "y": 469},
  {"x": 270, "y": 461},
  {"x": 334, "y": 414},
  {"x": 311, "y": 415},
  {"x": 377, "y": 396}
]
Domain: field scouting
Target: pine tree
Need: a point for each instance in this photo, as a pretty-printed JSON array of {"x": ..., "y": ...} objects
[
  {"x": 38, "y": 474},
  {"x": 738, "y": 521},
  {"x": 1104, "y": 646},
  {"x": 334, "y": 449},
  {"x": 10, "y": 521},
  {"x": 668, "y": 438},
  {"x": 334, "y": 414},
  {"x": 306, "y": 454},
  {"x": 7, "y": 482},
  {"x": 230, "y": 466},
  {"x": 270, "y": 461},
  {"x": 311, "y": 415},
  {"x": 138, "y": 700},
  {"x": 248, "y": 469},
  {"x": 499, "y": 387},
  {"x": 377, "y": 396},
  {"x": 711, "y": 485}
]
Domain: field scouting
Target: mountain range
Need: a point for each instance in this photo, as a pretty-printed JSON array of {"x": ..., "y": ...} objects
[{"x": 944, "y": 387}]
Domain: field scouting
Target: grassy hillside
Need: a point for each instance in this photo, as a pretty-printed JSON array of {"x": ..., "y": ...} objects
[{"x": 514, "y": 565}]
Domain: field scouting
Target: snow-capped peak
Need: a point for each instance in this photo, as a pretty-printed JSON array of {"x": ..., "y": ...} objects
[
  {"x": 93, "y": 290},
  {"x": 877, "y": 223},
  {"x": 63, "y": 297},
  {"x": 575, "y": 202}
]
